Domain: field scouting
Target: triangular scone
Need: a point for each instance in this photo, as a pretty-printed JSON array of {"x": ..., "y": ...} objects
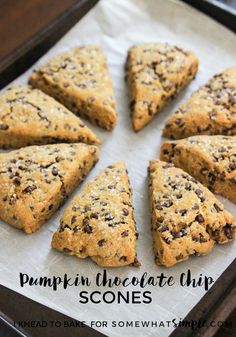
[
  {"x": 155, "y": 73},
  {"x": 209, "y": 159},
  {"x": 35, "y": 180},
  {"x": 99, "y": 223},
  {"x": 187, "y": 219},
  {"x": 211, "y": 110},
  {"x": 80, "y": 80},
  {"x": 30, "y": 117}
]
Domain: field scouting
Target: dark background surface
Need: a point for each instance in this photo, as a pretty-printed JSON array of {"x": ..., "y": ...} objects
[{"x": 20, "y": 21}]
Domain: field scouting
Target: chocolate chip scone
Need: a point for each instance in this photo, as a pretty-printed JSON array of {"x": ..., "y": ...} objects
[
  {"x": 209, "y": 159},
  {"x": 155, "y": 73},
  {"x": 100, "y": 223},
  {"x": 30, "y": 117},
  {"x": 80, "y": 80},
  {"x": 211, "y": 110},
  {"x": 187, "y": 219},
  {"x": 35, "y": 180}
]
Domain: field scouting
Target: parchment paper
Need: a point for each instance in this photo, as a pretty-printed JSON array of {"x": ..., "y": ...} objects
[{"x": 116, "y": 25}]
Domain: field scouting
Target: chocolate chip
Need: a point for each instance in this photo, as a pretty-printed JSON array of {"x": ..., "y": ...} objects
[
  {"x": 63, "y": 226},
  {"x": 17, "y": 181},
  {"x": 198, "y": 192},
  {"x": 76, "y": 229},
  {"x": 166, "y": 166},
  {"x": 30, "y": 189},
  {"x": 123, "y": 258},
  {"x": 202, "y": 239},
  {"x": 67, "y": 250},
  {"x": 222, "y": 149},
  {"x": 228, "y": 232},
  {"x": 94, "y": 215},
  {"x": 125, "y": 211},
  {"x": 73, "y": 219},
  {"x": 109, "y": 216},
  {"x": 4, "y": 126},
  {"x": 176, "y": 235},
  {"x": 179, "y": 257},
  {"x": 58, "y": 159},
  {"x": 183, "y": 211},
  {"x": 167, "y": 240},
  {"x": 167, "y": 203},
  {"x": 159, "y": 220},
  {"x": 101, "y": 242},
  {"x": 86, "y": 221},
  {"x": 232, "y": 166},
  {"x": 165, "y": 151},
  {"x": 163, "y": 228},
  {"x": 188, "y": 186},
  {"x": 125, "y": 233},
  {"x": 218, "y": 208},
  {"x": 159, "y": 207},
  {"x": 55, "y": 171},
  {"x": 82, "y": 250},
  {"x": 199, "y": 218},
  {"x": 88, "y": 229}
]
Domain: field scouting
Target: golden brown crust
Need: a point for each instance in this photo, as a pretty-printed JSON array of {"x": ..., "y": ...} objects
[
  {"x": 209, "y": 159},
  {"x": 80, "y": 80},
  {"x": 187, "y": 219},
  {"x": 209, "y": 111},
  {"x": 99, "y": 223},
  {"x": 36, "y": 180},
  {"x": 30, "y": 117},
  {"x": 155, "y": 73}
]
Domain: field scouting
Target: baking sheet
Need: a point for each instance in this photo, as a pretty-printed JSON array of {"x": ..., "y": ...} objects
[{"x": 116, "y": 25}]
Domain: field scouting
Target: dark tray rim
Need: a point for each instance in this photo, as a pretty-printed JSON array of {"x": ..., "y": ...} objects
[{"x": 219, "y": 301}]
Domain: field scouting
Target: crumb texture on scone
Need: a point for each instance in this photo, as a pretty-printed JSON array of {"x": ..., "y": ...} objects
[
  {"x": 209, "y": 159},
  {"x": 30, "y": 117},
  {"x": 35, "y": 181},
  {"x": 155, "y": 73},
  {"x": 187, "y": 219},
  {"x": 211, "y": 110},
  {"x": 80, "y": 79},
  {"x": 99, "y": 223}
]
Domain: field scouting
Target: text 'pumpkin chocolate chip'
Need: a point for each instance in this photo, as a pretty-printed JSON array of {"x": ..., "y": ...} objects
[
  {"x": 35, "y": 181},
  {"x": 100, "y": 223},
  {"x": 187, "y": 219}
]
